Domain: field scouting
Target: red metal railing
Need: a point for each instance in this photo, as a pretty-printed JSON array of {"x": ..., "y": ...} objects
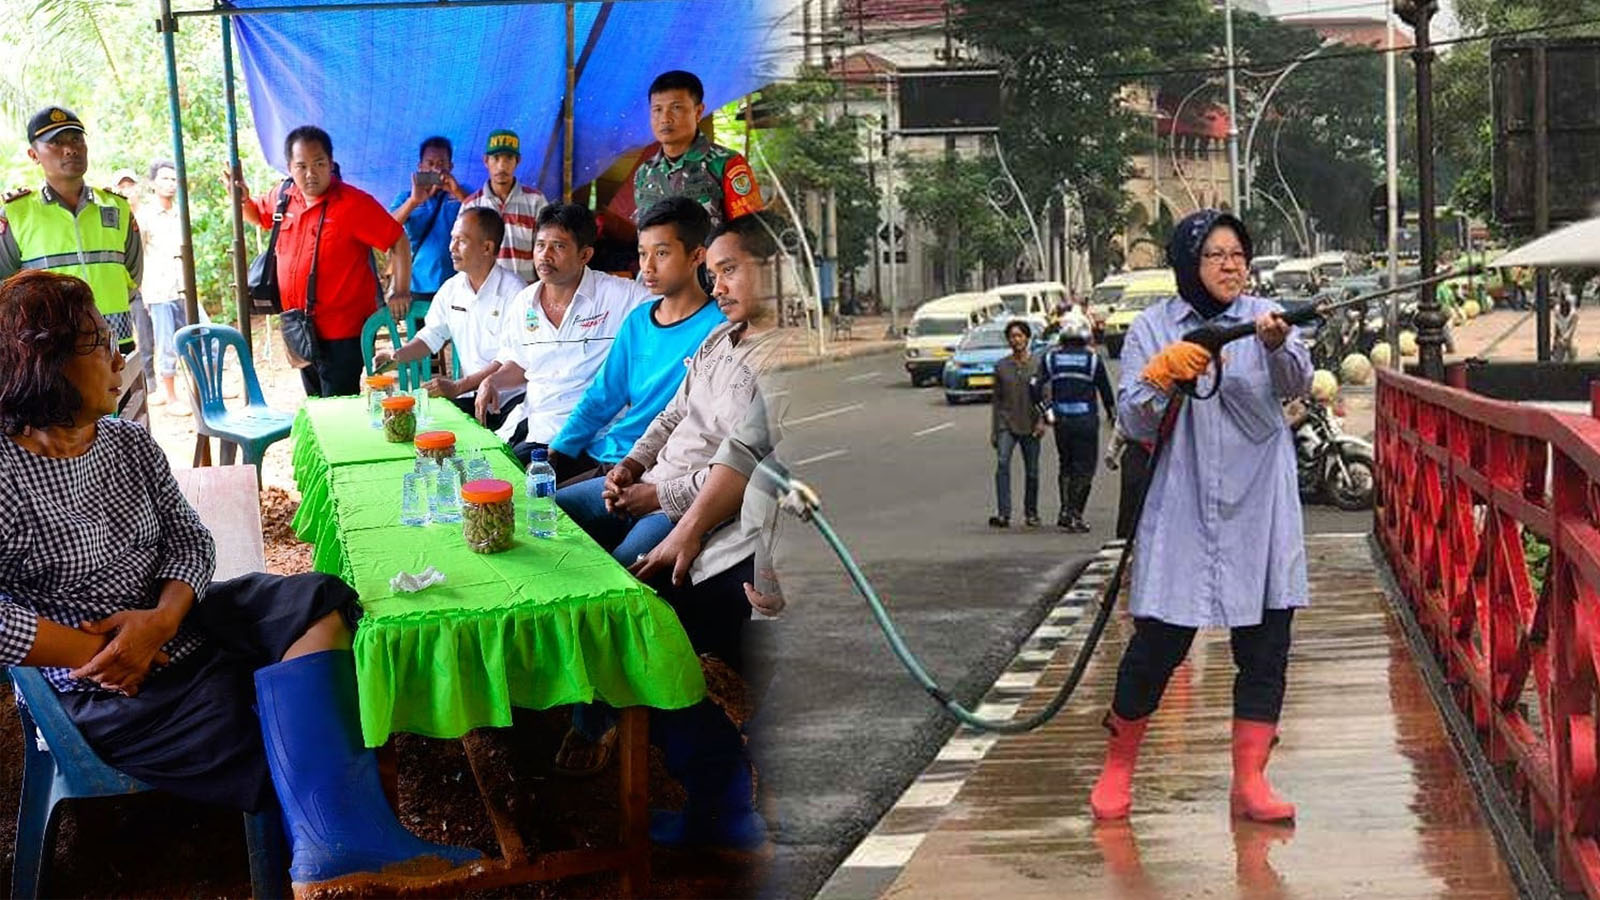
[{"x": 1461, "y": 478}]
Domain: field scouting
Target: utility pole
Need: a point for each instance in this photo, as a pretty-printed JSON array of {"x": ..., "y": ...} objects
[
  {"x": 1392, "y": 318},
  {"x": 949, "y": 238},
  {"x": 1431, "y": 317},
  {"x": 1233, "y": 115}
]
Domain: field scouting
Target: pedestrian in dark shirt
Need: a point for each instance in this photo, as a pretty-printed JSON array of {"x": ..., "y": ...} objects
[{"x": 1016, "y": 423}]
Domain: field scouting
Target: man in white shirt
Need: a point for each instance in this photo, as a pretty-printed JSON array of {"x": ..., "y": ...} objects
[
  {"x": 470, "y": 311},
  {"x": 560, "y": 332},
  {"x": 162, "y": 283}
]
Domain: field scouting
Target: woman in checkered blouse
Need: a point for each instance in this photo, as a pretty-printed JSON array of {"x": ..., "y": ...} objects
[{"x": 105, "y": 583}]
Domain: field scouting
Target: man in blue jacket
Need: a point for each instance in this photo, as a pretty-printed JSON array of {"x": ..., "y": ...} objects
[
  {"x": 1070, "y": 378},
  {"x": 647, "y": 361}
]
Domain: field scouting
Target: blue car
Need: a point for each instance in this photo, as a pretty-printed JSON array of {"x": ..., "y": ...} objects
[{"x": 969, "y": 374}]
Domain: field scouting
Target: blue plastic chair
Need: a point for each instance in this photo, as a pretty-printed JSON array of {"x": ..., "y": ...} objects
[
  {"x": 58, "y": 765},
  {"x": 411, "y": 374},
  {"x": 254, "y": 426}
]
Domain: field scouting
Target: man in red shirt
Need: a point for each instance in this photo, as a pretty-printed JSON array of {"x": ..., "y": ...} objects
[{"x": 340, "y": 226}]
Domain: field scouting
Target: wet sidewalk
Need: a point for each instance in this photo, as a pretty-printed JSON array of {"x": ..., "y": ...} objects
[{"x": 1384, "y": 807}]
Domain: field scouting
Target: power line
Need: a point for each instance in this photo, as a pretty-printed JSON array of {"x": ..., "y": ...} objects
[
  {"x": 1346, "y": 54},
  {"x": 1259, "y": 65}
]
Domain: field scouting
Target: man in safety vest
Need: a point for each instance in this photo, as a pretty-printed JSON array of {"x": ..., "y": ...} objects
[
  {"x": 68, "y": 227},
  {"x": 1070, "y": 378}
]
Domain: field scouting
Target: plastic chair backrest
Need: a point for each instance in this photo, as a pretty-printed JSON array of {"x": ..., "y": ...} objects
[
  {"x": 411, "y": 374},
  {"x": 204, "y": 350},
  {"x": 85, "y": 773}
]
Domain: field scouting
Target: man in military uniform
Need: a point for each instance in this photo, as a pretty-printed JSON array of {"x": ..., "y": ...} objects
[
  {"x": 68, "y": 227},
  {"x": 688, "y": 164}
]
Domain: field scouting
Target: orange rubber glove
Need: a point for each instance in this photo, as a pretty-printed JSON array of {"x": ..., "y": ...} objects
[{"x": 1178, "y": 361}]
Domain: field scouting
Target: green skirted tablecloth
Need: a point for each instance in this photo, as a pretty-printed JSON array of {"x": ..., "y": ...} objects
[{"x": 546, "y": 623}]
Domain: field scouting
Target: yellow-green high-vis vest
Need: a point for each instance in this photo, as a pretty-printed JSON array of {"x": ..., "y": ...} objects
[{"x": 89, "y": 245}]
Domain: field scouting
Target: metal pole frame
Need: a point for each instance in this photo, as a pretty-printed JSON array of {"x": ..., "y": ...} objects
[
  {"x": 1233, "y": 115},
  {"x": 1391, "y": 164},
  {"x": 241, "y": 271},
  {"x": 167, "y": 26},
  {"x": 568, "y": 105}
]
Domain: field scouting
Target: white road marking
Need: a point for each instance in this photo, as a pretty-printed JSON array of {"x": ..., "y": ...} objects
[
  {"x": 862, "y": 377},
  {"x": 940, "y": 427},
  {"x": 773, "y": 395},
  {"x": 831, "y": 454},
  {"x": 824, "y": 414},
  {"x": 885, "y": 851}
]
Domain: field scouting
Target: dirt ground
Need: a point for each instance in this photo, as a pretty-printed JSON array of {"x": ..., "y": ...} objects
[{"x": 155, "y": 845}]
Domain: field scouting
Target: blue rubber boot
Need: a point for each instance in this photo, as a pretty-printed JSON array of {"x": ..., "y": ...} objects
[
  {"x": 334, "y": 810},
  {"x": 705, "y": 753}
]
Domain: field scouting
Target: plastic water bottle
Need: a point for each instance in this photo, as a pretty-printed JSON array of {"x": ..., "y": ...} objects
[{"x": 542, "y": 513}]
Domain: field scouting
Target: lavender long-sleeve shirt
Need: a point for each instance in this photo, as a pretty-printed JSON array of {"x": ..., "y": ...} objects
[{"x": 1221, "y": 537}]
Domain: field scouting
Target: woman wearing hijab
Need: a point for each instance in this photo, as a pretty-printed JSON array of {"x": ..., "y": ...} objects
[{"x": 1220, "y": 543}]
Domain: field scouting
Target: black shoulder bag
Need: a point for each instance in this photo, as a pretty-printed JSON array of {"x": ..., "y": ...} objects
[
  {"x": 263, "y": 280},
  {"x": 299, "y": 333}
]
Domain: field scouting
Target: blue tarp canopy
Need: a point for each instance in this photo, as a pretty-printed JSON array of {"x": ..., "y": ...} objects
[{"x": 379, "y": 81}]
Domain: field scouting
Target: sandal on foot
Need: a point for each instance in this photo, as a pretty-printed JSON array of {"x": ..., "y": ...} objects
[{"x": 576, "y": 746}]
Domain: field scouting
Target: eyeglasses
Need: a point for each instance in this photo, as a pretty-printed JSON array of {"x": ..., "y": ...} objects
[
  {"x": 102, "y": 340},
  {"x": 1218, "y": 257}
]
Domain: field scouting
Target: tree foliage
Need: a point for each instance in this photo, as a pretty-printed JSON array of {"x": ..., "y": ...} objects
[
  {"x": 1319, "y": 142},
  {"x": 809, "y": 153},
  {"x": 1067, "y": 67},
  {"x": 104, "y": 60},
  {"x": 1065, "y": 121},
  {"x": 948, "y": 198}
]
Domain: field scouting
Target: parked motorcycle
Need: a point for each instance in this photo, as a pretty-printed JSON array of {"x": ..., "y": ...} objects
[{"x": 1332, "y": 464}]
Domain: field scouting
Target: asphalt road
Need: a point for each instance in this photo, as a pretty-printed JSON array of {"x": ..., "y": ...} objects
[{"x": 907, "y": 481}]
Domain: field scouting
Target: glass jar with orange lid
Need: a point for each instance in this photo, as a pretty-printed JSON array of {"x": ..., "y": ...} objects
[
  {"x": 399, "y": 419},
  {"x": 380, "y": 387},
  {"x": 438, "y": 446},
  {"x": 488, "y": 520}
]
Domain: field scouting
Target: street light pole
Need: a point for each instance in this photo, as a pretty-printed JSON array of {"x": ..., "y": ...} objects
[
  {"x": 1392, "y": 319},
  {"x": 1431, "y": 317},
  {"x": 1233, "y": 114}
]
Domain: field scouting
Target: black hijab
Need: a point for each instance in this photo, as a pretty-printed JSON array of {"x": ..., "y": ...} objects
[{"x": 1183, "y": 254}]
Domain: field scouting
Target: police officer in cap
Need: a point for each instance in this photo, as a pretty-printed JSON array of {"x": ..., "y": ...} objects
[
  {"x": 1071, "y": 377},
  {"x": 68, "y": 227}
]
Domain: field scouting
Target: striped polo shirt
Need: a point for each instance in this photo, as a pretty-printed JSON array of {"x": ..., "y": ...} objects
[{"x": 521, "y": 214}]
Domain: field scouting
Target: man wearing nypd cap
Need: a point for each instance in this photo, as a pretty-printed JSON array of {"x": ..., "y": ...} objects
[
  {"x": 68, "y": 227},
  {"x": 518, "y": 204}
]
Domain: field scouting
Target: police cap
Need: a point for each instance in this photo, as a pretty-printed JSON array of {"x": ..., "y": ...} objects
[{"x": 51, "y": 121}]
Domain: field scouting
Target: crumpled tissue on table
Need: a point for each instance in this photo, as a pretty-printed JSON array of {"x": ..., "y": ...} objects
[{"x": 406, "y": 583}]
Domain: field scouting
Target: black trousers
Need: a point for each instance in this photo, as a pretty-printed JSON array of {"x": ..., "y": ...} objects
[
  {"x": 337, "y": 371},
  {"x": 192, "y": 729},
  {"x": 1260, "y": 654},
  {"x": 1077, "y": 455}
]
